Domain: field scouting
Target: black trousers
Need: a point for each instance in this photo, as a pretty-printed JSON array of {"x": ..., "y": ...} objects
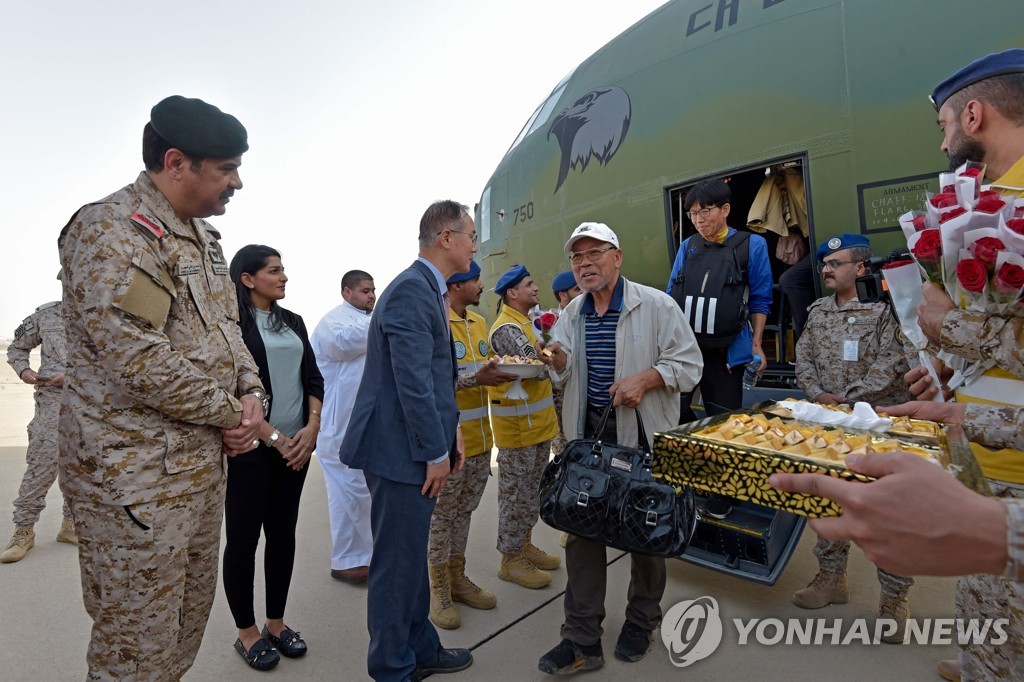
[
  {"x": 797, "y": 283},
  {"x": 263, "y": 495},
  {"x": 586, "y": 564},
  {"x": 720, "y": 388}
]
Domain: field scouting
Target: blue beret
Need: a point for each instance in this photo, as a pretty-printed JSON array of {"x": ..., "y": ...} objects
[
  {"x": 843, "y": 241},
  {"x": 198, "y": 129},
  {"x": 998, "y": 64},
  {"x": 563, "y": 281},
  {"x": 474, "y": 272},
  {"x": 511, "y": 278}
]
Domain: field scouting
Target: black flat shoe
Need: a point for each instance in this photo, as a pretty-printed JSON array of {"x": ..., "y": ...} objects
[
  {"x": 289, "y": 643},
  {"x": 261, "y": 656}
]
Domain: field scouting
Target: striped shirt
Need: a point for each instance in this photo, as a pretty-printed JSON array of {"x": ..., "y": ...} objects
[{"x": 600, "y": 340}]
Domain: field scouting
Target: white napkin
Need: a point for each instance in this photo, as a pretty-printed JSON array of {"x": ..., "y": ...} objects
[{"x": 863, "y": 416}]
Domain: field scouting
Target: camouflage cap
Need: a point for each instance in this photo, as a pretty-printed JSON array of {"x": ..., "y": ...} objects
[{"x": 198, "y": 129}]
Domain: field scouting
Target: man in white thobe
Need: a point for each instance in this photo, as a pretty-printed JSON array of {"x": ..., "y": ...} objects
[{"x": 339, "y": 343}]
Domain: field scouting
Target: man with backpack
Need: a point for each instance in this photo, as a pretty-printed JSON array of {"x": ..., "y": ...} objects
[{"x": 722, "y": 279}]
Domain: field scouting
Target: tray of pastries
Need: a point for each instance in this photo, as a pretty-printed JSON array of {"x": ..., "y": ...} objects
[{"x": 733, "y": 454}]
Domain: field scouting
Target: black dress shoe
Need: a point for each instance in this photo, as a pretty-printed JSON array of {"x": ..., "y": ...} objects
[
  {"x": 445, "y": 661},
  {"x": 289, "y": 643},
  {"x": 260, "y": 656}
]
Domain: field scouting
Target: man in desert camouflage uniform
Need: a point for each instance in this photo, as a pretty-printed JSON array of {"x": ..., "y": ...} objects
[
  {"x": 523, "y": 430},
  {"x": 460, "y": 496},
  {"x": 851, "y": 352},
  {"x": 565, "y": 288},
  {"x": 156, "y": 365},
  {"x": 43, "y": 328}
]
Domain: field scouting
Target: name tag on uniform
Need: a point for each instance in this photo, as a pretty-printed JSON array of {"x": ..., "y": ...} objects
[
  {"x": 189, "y": 268},
  {"x": 220, "y": 269},
  {"x": 850, "y": 350}
]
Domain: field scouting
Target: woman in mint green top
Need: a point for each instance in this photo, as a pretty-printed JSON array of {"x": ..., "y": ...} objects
[{"x": 265, "y": 485}]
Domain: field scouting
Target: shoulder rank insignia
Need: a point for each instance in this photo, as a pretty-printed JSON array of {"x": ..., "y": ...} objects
[{"x": 150, "y": 222}]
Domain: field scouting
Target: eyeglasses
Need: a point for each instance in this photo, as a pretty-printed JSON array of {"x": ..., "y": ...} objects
[
  {"x": 473, "y": 236},
  {"x": 589, "y": 255},
  {"x": 703, "y": 213},
  {"x": 835, "y": 263}
]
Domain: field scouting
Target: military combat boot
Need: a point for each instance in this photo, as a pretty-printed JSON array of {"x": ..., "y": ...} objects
[
  {"x": 895, "y": 608},
  {"x": 442, "y": 610},
  {"x": 825, "y": 589},
  {"x": 516, "y": 568},
  {"x": 538, "y": 557},
  {"x": 464, "y": 590},
  {"x": 949, "y": 670},
  {"x": 22, "y": 541},
  {"x": 67, "y": 532}
]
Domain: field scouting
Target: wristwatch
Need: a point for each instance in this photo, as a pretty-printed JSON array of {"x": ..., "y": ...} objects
[
  {"x": 263, "y": 398},
  {"x": 272, "y": 439}
]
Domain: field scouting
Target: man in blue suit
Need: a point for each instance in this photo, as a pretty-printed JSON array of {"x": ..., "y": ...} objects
[{"x": 403, "y": 435}]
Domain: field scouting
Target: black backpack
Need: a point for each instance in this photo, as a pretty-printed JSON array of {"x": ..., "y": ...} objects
[{"x": 712, "y": 289}]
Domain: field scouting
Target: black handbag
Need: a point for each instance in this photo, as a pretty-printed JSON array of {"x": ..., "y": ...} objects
[{"x": 606, "y": 493}]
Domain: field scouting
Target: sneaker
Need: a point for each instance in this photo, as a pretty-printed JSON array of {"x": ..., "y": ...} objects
[
  {"x": 22, "y": 541},
  {"x": 825, "y": 589},
  {"x": 569, "y": 657},
  {"x": 67, "y": 532},
  {"x": 634, "y": 642},
  {"x": 716, "y": 506},
  {"x": 896, "y": 609}
]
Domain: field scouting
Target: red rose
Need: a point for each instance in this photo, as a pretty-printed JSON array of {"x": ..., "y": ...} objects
[
  {"x": 989, "y": 194},
  {"x": 948, "y": 189},
  {"x": 989, "y": 205},
  {"x": 944, "y": 199},
  {"x": 1016, "y": 225},
  {"x": 928, "y": 248},
  {"x": 986, "y": 249},
  {"x": 971, "y": 274},
  {"x": 949, "y": 215},
  {"x": 896, "y": 264},
  {"x": 919, "y": 224},
  {"x": 547, "y": 321},
  {"x": 971, "y": 173},
  {"x": 1010, "y": 278}
]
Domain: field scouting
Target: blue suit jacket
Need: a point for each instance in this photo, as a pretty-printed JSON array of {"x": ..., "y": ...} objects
[{"x": 405, "y": 413}]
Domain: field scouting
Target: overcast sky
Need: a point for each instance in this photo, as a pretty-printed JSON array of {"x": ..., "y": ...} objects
[{"x": 359, "y": 115}]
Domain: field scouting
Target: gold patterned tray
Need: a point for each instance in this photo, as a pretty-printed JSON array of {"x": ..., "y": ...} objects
[{"x": 741, "y": 471}]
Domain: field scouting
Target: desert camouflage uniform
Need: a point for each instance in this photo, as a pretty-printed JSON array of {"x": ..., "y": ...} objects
[
  {"x": 978, "y": 336},
  {"x": 558, "y": 443},
  {"x": 519, "y": 468},
  {"x": 449, "y": 525},
  {"x": 155, "y": 362},
  {"x": 43, "y": 328},
  {"x": 875, "y": 377}
]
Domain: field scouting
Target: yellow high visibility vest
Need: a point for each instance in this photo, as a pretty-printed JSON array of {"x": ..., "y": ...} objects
[
  {"x": 518, "y": 423},
  {"x": 471, "y": 352}
]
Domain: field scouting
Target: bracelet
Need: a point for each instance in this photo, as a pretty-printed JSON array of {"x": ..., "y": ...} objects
[{"x": 314, "y": 413}]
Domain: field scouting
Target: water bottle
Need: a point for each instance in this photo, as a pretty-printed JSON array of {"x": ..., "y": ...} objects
[{"x": 750, "y": 372}]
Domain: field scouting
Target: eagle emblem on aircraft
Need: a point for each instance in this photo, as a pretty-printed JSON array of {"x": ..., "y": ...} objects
[{"x": 592, "y": 128}]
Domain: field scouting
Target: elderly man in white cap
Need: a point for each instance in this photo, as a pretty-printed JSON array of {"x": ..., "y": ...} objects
[{"x": 590, "y": 357}]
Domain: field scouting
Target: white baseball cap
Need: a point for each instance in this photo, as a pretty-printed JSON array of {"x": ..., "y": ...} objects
[{"x": 598, "y": 231}]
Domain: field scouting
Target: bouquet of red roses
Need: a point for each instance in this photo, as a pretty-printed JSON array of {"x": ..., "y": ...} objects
[
  {"x": 926, "y": 248},
  {"x": 543, "y": 322}
]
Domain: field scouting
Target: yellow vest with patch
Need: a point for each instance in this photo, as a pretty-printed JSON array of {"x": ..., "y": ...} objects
[
  {"x": 471, "y": 352},
  {"x": 518, "y": 423},
  {"x": 997, "y": 386}
]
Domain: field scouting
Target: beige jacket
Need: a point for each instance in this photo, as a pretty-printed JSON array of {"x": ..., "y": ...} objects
[{"x": 652, "y": 332}]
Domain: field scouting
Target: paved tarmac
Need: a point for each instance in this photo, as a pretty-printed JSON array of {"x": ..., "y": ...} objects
[{"x": 45, "y": 629}]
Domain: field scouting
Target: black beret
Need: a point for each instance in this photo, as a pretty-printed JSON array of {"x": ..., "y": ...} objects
[{"x": 197, "y": 128}]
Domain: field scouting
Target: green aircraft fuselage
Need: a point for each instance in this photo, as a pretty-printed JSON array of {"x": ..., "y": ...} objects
[{"x": 726, "y": 88}]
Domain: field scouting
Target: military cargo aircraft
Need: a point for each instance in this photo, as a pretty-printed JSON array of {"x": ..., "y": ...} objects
[
  {"x": 815, "y": 112},
  {"x": 819, "y": 105}
]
